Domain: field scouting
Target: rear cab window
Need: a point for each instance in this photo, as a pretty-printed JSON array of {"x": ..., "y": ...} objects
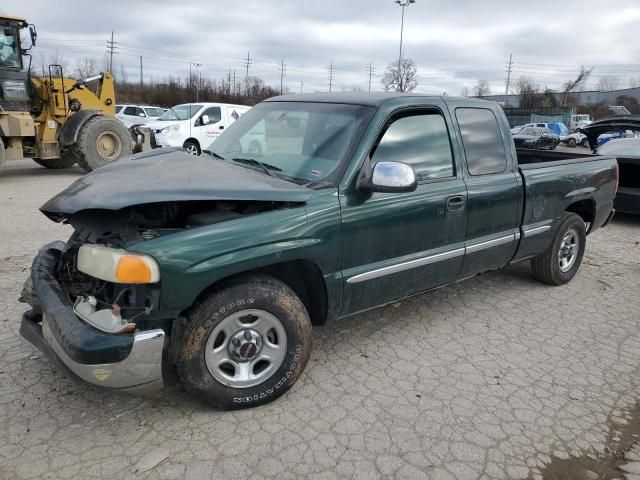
[{"x": 484, "y": 147}]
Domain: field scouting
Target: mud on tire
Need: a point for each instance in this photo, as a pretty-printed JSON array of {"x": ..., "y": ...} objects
[
  {"x": 258, "y": 294},
  {"x": 101, "y": 141}
]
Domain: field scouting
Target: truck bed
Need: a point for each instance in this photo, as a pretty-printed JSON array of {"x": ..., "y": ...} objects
[{"x": 528, "y": 156}]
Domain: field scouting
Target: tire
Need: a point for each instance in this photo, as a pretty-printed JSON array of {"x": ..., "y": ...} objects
[
  {"x": 3, "y": 157},
  {"x": 585, "y": 143},
  {"x": 66, "y": 160},
  {"x": 192, "y": 147},
  {"x": 211, "y": 368},
  {"x": 551, "y": 267},
  {"x": 101, "y": 141}
]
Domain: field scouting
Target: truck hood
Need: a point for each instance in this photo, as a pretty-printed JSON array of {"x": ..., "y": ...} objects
[{"x": 167, "y": 175}]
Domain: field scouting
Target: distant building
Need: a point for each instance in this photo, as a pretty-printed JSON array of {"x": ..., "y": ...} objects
[{"x": 589, "y": 96}]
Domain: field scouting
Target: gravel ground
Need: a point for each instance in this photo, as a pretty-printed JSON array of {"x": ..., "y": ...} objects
[{"x": 494, "y": 377}]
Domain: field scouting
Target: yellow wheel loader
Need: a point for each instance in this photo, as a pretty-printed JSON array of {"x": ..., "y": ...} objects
[{"x": 55, "y": 120}]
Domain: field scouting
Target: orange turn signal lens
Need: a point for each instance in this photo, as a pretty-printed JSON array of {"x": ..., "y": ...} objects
[{"x": 134, "y": 270}]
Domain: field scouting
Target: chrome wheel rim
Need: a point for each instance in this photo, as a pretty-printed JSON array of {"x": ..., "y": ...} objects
[
  {"x": 109, "y": 146},
  {"x": 568, "y": 252},
  {"x": 246, "y": 348},
  {"x": 191, "y": 149}
]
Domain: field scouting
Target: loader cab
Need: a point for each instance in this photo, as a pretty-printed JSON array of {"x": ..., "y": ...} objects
[{"x": 13, "y": 78}]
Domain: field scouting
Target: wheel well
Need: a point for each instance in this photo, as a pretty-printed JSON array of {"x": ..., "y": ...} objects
[
  {"x": 301, "y": 276},
  {"x": 586, "y": 209},
  {"x": 192, "y": 140}
]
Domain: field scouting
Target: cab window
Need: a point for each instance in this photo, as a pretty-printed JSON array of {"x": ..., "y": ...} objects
[
  {"x": 214, "y": 114},
  {"x": 482, "y": 141},
  {"x": 420, "y": 140}
]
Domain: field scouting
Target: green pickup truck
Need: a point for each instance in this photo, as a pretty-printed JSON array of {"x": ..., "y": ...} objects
[{"x": 307, "y": 209}]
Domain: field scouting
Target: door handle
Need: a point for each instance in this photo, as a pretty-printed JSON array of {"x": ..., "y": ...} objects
[
  {"x": 221, "y": 127},
  {"x": 455, "y": 203}
]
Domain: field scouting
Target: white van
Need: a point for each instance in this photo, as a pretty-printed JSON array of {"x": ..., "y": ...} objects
[{"x": 194, "y": 125}]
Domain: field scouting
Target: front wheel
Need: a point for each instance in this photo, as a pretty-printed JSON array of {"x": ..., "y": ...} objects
[
  {"x": 560, "y": 263},
  {"x": 102, "y": 140},
  {"x": 245, "y": 345},
  {"x": 192, "y": 147},
  {"x": 585, "y": 143}
]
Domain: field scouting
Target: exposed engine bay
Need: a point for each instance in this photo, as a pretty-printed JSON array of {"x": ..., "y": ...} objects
[{"x": 116, "y": 307}]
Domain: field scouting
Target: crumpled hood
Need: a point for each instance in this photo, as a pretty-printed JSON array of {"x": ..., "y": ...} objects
[{"x": 166, "y": 175}]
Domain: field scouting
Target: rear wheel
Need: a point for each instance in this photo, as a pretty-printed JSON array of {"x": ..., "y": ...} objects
[
  {"x": 246, "y": 344},
  {"x": 560, "y": 263},
  {"x": 585, "y": 143},
  {"x": 101, "y": 141}
]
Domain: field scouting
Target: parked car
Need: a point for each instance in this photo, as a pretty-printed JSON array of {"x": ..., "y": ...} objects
[
  {"x": 558, "y": 128},
  {"x": 574, "y": 139},
  {"x": 194, "y": 126},
  {"x": 516, "y": 129},
  {"x": 627, "y": 151},
  {"x": 536, "y": 137},
  {"x": 219, "y": 264},
  {"x": 137, "y": 114}
]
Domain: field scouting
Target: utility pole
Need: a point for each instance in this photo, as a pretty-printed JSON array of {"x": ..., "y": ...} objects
[
  {"x": 331, "y": 72},
  {"x": 509, "y": 69},
  {"x": 370, "y": 69},
  {"x": 141, "y": 78},
  {"x": 229, "y": 83},
  {"x": 235, "y": 85},
  {"x": 247, "y": 64},
  {"x": 282, "y": 68},
  {"x": 301, "y": 84},
  {"x": 111, "y": 47}
]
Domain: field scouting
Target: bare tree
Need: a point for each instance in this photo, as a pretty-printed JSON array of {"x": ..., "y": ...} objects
[
  {"x": 402, "y": 79},
  {"x": 529, "y": 92},
  {"x": 86, "y": 67},
  {"x": 634, "y": 82},
  {"x": 572, "y": 85},
  {"x": 482, "y": 88},
  {"x": 610, "y": 83},
  {"x": 54, "y": 58},
  {"x": 465, "y": 92}
]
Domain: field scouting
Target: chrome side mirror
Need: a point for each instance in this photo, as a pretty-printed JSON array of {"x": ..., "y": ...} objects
[{"x": 388, "y": 177}]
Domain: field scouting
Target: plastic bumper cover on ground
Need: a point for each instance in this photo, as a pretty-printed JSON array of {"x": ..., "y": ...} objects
[{"x": 129, "y": 363}]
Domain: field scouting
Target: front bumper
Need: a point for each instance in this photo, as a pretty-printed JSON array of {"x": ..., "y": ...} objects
[
  {"x": 129, "y": 363},
  {"x": 170, "y": 139}
]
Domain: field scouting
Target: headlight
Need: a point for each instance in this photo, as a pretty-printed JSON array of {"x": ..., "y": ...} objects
[
  {"x": 117, "y": 266},
  {"x": 172, "y": 128}
]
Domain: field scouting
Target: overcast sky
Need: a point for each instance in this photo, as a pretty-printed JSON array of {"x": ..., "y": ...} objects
[{"x": 454, "y": 43}]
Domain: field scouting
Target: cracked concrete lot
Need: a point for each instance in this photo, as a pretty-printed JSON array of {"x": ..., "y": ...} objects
[{"x": 489, "y": 378}]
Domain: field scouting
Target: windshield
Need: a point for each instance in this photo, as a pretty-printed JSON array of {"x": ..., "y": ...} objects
[
  {"x": 9, "y": 56},
  {"x": 181, "y": 112},
  {"x": 531, "y": 132},
  {"x": 301, "y": 142},
  {"x": 154, "y": 111}
]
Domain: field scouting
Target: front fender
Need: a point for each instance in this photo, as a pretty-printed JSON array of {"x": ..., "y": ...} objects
[{"x": 71, "y": 128}]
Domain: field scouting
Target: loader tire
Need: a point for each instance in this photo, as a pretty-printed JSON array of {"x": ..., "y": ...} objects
[
  {"x": 3, "y": 157},
  {"x": 101, "y": 141}
]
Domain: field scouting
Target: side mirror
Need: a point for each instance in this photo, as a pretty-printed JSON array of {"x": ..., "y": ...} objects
[
  {"x": 387, "y": 177},
  {"x": 205, "y": 119},
  {"x": 141, "y": 114},
  {"x": 545, "y": 134}
]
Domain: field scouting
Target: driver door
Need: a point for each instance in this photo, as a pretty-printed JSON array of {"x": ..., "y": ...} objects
[
  {"x": 398, "y": 244},
  {"x": 208, "y": 126}
]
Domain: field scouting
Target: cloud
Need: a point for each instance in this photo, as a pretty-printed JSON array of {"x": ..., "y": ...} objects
[{"x": 453, "y": 43}]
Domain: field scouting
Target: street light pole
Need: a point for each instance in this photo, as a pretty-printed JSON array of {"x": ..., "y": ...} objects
[{"x": 403, "y": 4}]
